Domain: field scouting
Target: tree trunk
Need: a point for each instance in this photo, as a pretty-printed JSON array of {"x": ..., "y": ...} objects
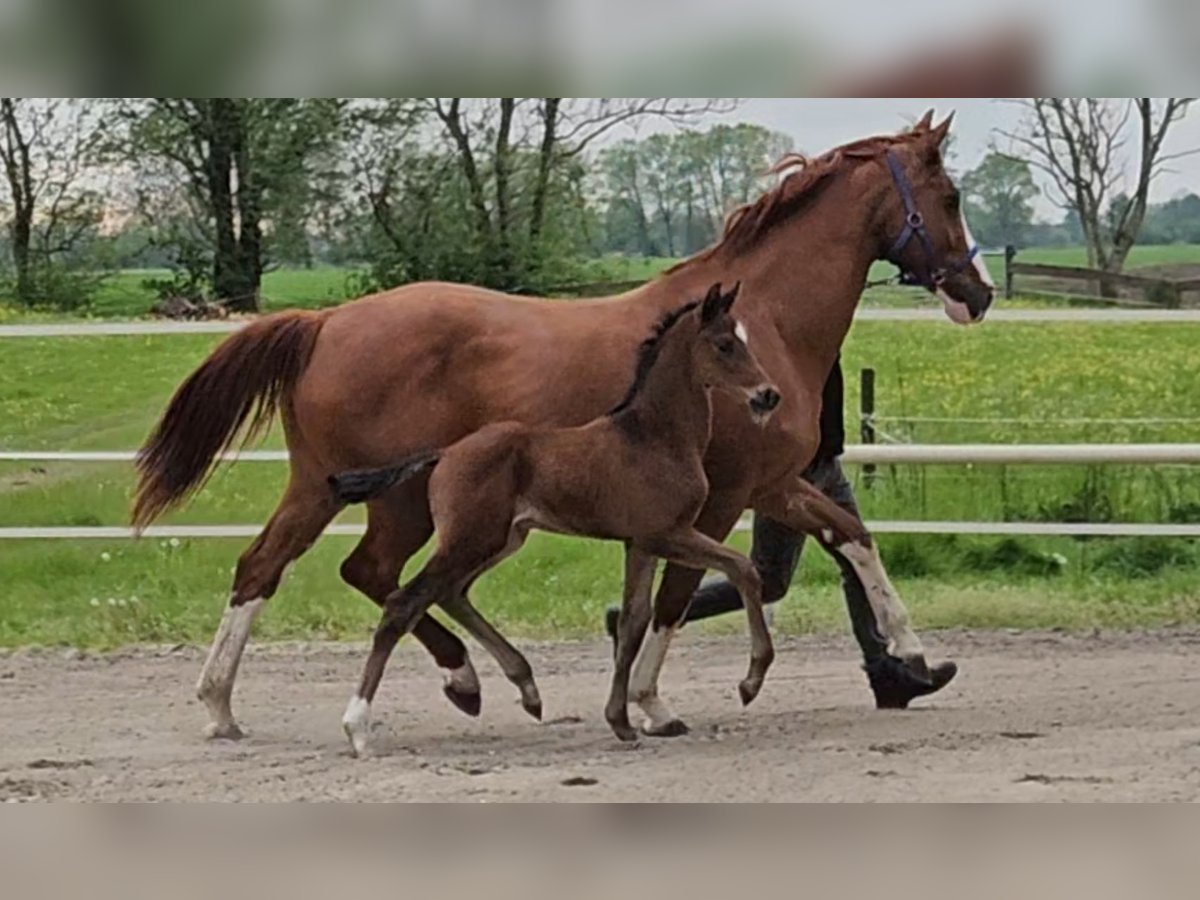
[
  {"x": 249, "y": 205},
  {"x": 541, "y": 185},
  {"x": 20, "y": 182},
  {"x": 503, "y": 264}
]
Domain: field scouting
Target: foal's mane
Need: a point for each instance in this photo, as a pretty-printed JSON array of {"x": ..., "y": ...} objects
[
  {"x": 805, "y": 178},
  {"x": 648, "y": 353}
]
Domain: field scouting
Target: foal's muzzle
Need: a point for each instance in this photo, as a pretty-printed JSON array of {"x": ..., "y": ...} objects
[{"x": 763, "y": 402}]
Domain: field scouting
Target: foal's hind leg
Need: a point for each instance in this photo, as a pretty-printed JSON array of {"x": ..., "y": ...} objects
[
  {"x": 398, "y": 525},
  {"x": 306, "y": 508}
]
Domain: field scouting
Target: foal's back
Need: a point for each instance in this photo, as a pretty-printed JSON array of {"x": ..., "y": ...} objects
[{"x": 591, "y": 480}]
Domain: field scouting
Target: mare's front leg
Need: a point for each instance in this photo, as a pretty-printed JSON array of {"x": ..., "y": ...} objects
[
  {"x": 402, "y": 609},
  {"x": 843, "y": 535},
  {"x": 631, "y": 630}
]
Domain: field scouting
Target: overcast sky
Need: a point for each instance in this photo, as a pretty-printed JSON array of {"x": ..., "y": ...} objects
[{"x": 817, "y": 125}]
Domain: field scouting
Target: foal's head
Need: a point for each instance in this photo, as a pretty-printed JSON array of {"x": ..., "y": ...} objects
[{"x": 722, "y": 357}]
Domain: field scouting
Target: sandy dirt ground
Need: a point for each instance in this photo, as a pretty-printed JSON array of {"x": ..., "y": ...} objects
[{"x": 1031, "y": 717}]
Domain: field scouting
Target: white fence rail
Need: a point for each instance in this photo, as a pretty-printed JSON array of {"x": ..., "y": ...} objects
[
  {"x": 1079, "y": 316},
  {"x": 858, "y": 454},
  {"x": 888, "y": 454}
]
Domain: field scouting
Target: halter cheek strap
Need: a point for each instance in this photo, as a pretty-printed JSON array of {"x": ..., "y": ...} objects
[{"x": 914, "y": 226}]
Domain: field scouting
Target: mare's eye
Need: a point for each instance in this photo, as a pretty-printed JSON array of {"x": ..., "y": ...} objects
[
  {"x": 953, "y": 200},
  {"x": 725, "y": 346}
]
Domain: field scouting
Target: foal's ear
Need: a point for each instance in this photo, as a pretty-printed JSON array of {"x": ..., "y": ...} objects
[
  {"x": 713, "y": 304},
  {"x": 727, "y": 300},
  {"x": 925, "y": 123}
]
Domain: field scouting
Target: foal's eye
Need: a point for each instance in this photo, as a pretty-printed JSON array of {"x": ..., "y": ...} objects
[
  {"x": 953, "y": 200},
  {"x": 725, "y": 347}
]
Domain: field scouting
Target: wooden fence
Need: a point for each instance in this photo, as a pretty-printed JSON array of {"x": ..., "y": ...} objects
[{"x": 1121, "y": 289}]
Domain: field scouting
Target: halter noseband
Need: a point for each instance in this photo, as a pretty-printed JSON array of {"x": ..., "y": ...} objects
[{"x": 914, "y": 225}]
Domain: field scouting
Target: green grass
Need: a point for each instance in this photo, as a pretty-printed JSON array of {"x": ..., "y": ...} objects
[{"x": 105, "y": 393}]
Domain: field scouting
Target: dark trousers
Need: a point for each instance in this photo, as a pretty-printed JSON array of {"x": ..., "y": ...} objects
[{"x": 775, "y": 552}]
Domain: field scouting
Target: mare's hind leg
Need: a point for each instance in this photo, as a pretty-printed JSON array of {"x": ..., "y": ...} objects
[
  {"x": 398, "y": 525},
  {"x": 302, "y": 514},
  {"x": 678, "y": 585},
  {"x": 512, "y": 661}
]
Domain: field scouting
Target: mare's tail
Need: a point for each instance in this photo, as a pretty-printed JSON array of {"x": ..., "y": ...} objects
[
  {"x": 244, "y": 381},
  {"x": 365, "y": 484}
]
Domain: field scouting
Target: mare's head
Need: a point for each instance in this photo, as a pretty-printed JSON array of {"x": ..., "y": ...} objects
[
  {"x": 723, "y": 359},
  {"x": 925, "y": 233}
]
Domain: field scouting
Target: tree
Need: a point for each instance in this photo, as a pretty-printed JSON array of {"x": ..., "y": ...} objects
[
  {"x": 998, "y": 196},
  {"x": 1078, "y": 142},
  {"x": 672, "y": 192},
  {"x": 47, "y": 148},
  {"x": 509, "y": 151},
  {"x": 226, "y": 176}
]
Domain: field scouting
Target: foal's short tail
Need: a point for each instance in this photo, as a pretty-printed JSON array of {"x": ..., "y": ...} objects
[
  {"x": 246, "y": 379},
  {"x": 365, "y": 484}
]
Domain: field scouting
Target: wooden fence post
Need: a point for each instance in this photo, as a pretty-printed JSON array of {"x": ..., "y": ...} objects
[
  {"x": 1010, "y": 253},
  {"x": 866, "y": 418}
]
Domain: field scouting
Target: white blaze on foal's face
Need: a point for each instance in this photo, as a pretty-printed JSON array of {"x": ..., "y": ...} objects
[{"x": 739, "y": 332}]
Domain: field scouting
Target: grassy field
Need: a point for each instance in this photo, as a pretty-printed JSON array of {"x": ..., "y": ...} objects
[{"x": 104, "y": 393}]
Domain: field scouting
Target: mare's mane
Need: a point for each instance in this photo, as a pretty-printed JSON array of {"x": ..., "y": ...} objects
[{"x": 805, "y": 178}]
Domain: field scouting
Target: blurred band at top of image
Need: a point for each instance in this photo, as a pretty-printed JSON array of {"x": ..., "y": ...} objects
[{"x": 920, "y": 48}]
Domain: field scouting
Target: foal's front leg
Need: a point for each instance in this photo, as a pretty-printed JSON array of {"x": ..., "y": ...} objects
[
  {"x": 698, "y": 551},
  {"x": 401, "y": 611},
  {"x": 631, "y": 630}
]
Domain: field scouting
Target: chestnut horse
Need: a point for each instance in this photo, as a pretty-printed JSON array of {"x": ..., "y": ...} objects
[
  {"x": 635, "y": 475},
  {"x": 426, "y": 364}
]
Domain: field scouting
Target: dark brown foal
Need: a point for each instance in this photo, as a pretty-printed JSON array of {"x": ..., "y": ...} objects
[{"x": 634, "y": 475}]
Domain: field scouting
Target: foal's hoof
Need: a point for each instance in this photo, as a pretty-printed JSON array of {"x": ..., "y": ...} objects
[
  {"x": 623, "y": 730},
  {"x": 895, "y": 684},
  {"x": 531, "y": 706},
  {"x": 672, "y": 728},
  {"x": 227, "y": 731},
  {"x": 748, "y": 690},
  {"x": 470, "y": 702}
]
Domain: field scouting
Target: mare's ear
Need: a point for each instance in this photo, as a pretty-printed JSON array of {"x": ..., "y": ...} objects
[
  {"x": 925, "y": 123},
  {"x": 727, "y": 300},
  {"x": 712, "y": 305},
  {"x": 938, "y": 134}
]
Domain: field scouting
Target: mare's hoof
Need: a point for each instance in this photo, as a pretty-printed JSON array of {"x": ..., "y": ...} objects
[
  {"x": 896, "y": 684},
  {"x": 223, "y": 731},
  {"x": 470, "y": 702},
  {"x": 673, "y": 728}
]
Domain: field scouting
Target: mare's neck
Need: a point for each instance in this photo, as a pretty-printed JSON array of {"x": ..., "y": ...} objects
[{"x": 804, "y": 277}]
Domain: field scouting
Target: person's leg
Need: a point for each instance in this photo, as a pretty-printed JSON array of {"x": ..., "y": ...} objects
[{"x": 893, "y": 683}]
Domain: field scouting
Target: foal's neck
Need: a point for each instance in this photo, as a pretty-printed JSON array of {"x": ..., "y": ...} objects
[{"x": 673, "y": 405}]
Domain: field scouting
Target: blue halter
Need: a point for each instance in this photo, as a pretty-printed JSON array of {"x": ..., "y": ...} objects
[{"x": 914, "y": 226}]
